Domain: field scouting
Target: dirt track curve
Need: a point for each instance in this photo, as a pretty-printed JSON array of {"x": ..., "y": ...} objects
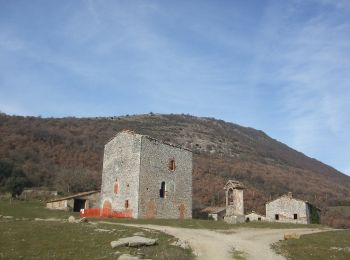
[{"x": 210, "y": 244}]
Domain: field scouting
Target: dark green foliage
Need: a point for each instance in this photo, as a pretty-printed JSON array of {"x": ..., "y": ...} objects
[
  {"x": 12, "y": 179},
  {"x": 314, "y": 214},
  {"x": 6, "y": 168},
  {"x": 16, "y": 182}
]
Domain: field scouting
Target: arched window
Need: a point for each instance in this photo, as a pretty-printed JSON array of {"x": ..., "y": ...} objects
[
  {"x": 162, "y": 190},
  {"x": 230, "y": 196}
]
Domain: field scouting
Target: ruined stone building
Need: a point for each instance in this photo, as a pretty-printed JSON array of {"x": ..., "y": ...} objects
[
  {"x": 234, "y": 202},
  {"x": 146, "y": 178},
  {"x": 292, "y": 210},
  {"x": 76, "y": 202}
]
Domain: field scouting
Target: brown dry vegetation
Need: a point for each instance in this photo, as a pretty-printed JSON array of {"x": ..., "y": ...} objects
[{"x": 67, "y": 154}]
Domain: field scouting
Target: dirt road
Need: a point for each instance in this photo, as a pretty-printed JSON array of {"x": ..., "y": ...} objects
[{"x": 210, "y": 244}]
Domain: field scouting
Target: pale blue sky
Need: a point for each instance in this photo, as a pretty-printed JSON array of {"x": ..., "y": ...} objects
[{"x": 279, "y": 66}]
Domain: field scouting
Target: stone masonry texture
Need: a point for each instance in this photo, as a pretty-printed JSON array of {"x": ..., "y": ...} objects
[{"x": 153, "y": 177}]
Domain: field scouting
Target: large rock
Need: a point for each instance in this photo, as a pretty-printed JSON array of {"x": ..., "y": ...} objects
[
  {"x": 134, "y": 241},
  {"x": 71, "y": 219},
  {"x": 128, "y": 257}
]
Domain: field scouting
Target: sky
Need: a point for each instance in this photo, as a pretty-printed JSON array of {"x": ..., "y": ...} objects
[{"x": 282, "y": 67}]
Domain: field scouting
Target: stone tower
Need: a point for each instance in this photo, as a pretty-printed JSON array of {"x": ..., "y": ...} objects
[
  {"x": 146, "y": 178},
  {"x": 234, "y": 202}
]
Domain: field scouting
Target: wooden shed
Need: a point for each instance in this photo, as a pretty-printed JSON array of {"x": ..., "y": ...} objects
[{"x": 76, "y": 202}]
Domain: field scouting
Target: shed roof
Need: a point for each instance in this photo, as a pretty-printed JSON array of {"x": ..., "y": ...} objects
[
  {"x": 81, "y": 194},
  {"x": 213, "y": 210},
  {"x": 234, "y": 185}
]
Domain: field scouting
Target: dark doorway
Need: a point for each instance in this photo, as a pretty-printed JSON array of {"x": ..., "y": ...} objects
[
  {"x": 277, "y": 217},
  {"x": 247, "y": 220},
  {"x": 78, "y": 205}
]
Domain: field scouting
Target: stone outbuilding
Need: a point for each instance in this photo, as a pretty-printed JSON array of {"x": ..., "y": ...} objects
[
  {"x": 146, "y": 178},
  {"x": 234, "y": 202},
  {"x": 215, "y": 213},
  {"x": 291, "y": 210},
  {"x": 76, "y": 202},
  {"x": 253, "y": 216}
]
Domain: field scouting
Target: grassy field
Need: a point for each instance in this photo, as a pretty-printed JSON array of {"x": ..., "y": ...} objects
[
  {"x": 325, "y": 245},
  {"x": 23, "y": 237}
]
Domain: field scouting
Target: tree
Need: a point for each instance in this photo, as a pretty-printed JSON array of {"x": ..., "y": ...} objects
[
  {"x": 6, "y": 168},
  {"x": 16, "y": 182}
]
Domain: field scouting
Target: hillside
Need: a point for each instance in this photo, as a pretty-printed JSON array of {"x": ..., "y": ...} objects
[{"x": 67, "y": 153}]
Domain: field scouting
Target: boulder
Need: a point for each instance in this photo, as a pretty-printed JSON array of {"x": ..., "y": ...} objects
[
  {"x": 128, "y": 257},
  {"x": 71, "y": 219},
  {"x": 134, "y": 241}
]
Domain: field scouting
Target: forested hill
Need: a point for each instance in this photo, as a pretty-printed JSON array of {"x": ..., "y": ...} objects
[{"x": 67, "y": 153}]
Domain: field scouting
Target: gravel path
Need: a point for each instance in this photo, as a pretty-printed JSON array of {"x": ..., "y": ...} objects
[{"x": 210, "y": 244}]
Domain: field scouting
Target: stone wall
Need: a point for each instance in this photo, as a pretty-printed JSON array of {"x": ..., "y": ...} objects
[
  {"x": 285, "y": 207},
  {"x": 235, "y": 203},
  {"x": 121, "y": 167},
  {"x": 61, "y": 204},
  {"x": 156, "y": 158}
]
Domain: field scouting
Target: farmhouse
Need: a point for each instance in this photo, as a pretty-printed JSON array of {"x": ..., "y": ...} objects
[
  {"x": 216, "y": 213},
  {"x": 146, "y": 178},
  {"x": 292, "y": 210},
  {"x": 76, "y": 202}
]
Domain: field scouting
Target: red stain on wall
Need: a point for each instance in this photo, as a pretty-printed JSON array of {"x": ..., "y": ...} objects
[
  {"x": 182, "y": 210},
  {"x": 106, "y": 208},
  {"x": 116, "y": 187},
  {"x": 151, "y": 209}
]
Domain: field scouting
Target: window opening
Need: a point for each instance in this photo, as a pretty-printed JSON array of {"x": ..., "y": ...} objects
[
  {"x": 126, "y": 205},
  {"x": 171, "y": 165},
  {"x": 259, "y": 219},
  {"x": 162, "y": 190},
  {"x": 295, "y": 216},
  {"x": 277, "y": 217},
  {"x": 230, "y": 196}
]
